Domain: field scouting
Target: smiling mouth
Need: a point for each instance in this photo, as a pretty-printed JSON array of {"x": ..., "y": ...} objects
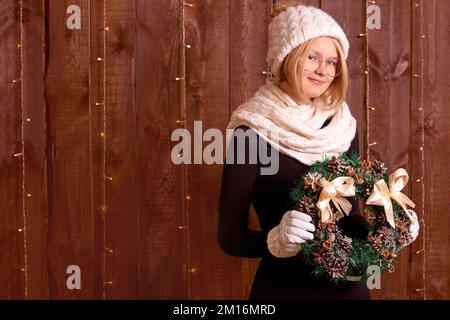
[{"x": 315, "y": 81}]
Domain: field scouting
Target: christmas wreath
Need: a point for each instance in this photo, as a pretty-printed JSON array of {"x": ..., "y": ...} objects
[{"x": 321, "y": 193}]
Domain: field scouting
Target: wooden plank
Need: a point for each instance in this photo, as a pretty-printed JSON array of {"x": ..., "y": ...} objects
[
  {"x": 207, "y": 67},
  {"x": 12, "y": 281},
  {"x": 35, "y": 148},
  {"x": 388, "y": 127},
  {"x": 121, "y": 227},
  {"x": 114, "y": 200},
  {"x": 96, "y": 111},
  {"x": 248, "y": 46},
  {"x": 162, "y": 244},
  {"x": 71, "y": 229},
  {"x": 429, "y": 269}
]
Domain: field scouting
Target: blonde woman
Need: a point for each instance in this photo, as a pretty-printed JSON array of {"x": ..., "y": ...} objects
[{"x": 298, "y": 117}]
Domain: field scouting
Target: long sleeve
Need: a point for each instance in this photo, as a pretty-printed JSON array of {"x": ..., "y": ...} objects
[
  {"x": 354, "y": 225},
  {"x": 238, "y": 181}
]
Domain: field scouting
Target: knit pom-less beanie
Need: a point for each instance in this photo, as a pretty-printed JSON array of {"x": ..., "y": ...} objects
[{"x": 297, "y": 25}]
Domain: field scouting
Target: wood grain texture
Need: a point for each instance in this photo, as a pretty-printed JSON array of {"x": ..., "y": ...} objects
[
  {"x": 12, "y": 281},
  {"x": 207, "y": 84},
  {"x": 160, "y": 221},
  {"x": 35, "y": 147},
  {"x": 162, "y": 244},
  {"x": 70, "y": 221},
  {"x": 429, "y": 270},
  {"x": 389, "y": 52}
]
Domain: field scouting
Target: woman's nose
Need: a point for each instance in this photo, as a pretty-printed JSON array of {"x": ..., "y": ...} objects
[{"x": 322, "y": 69}]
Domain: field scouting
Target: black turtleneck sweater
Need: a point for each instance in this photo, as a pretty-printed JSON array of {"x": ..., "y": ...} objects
[{"x": 276, "y": 278}]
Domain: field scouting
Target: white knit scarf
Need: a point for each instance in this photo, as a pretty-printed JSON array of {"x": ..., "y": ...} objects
[{"x": 293, "y": 129}]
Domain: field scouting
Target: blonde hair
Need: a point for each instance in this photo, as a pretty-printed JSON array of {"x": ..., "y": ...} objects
[{"x": 292, "y": 69}]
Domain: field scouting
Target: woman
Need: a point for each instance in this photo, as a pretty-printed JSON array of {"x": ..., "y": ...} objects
[{"x": 301, "y": 116}]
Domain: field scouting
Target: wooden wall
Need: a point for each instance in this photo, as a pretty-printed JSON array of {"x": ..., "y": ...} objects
[{"x": 85, "y": 152}]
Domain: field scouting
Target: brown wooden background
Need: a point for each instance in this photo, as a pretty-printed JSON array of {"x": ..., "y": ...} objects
[{"x": 148, "y": 230}]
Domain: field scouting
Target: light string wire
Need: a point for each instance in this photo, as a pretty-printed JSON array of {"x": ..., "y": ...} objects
[
  {"x": 22, "y": 103},
  {"x": 367, "y": 75},
  {"x": 422, "y": 149},
  {"x": 104, "y": 136},
  {"x": 187, "y": 269}
]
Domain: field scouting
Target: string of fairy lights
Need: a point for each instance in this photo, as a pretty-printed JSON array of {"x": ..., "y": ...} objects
[
  {"x": 182, "y": 79},
  {"x": 25, "y": 195},
  {"x": 422, "y": 150},
  {"x": 368, "y": 107},
  {"x": 103, "y": 135}
]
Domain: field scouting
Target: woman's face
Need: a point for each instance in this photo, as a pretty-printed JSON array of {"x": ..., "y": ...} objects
[{"x": 316, "y": 82}]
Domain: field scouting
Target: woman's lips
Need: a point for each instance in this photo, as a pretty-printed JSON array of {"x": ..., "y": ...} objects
[{"x": 316, "y": 81}]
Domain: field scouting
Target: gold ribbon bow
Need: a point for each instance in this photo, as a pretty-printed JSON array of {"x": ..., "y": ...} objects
[
  {"x": 382, "y": 194},
  {"x": 335, "y": 191}
]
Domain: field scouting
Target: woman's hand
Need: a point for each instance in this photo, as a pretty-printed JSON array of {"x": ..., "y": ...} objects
[
  {"x": 285, "y": 239},
  {"x": 414, "y": 227}
]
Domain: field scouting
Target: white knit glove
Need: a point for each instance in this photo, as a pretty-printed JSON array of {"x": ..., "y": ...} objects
[
  {"x": 285, "y": 239},
  {"x": 414, "y": 226}
]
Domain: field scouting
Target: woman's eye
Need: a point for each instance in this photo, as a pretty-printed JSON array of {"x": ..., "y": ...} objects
[
  {"x": 331, "y": 62},
  {"x": 312, "y": 57}
]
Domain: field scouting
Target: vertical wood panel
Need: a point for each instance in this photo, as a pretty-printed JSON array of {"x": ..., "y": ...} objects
[
  {"x": 96, "y": 116},
  {"x": 121, "y": 226},
  {"x": 115, "y": 201},
  {"x": 162, "y": 244},
  {"x": 71, "y": 229},
  {"x": 35, "y": 147},
  {"x": 436, "y": 49},
  {"x": 207, "y": 72},
  {"x": 12, "y": 281},
  {"x": 389, "y": 50}
]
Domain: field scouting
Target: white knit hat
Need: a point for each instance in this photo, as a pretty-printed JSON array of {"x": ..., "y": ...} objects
[{"x": 297, "y": 25}]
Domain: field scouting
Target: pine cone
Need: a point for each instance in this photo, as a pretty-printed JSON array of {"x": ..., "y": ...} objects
[
  {"x": 311, "y": 181},
  {"x": 337, "y": 267},
  {"x": 404, "y": 235},
  {"x": 337, "y": 165},
  {"x": 375, "y": 242},
  {"x": 378, "y": 167},
  {"x": 386, "y": 234},
  {"x": 321, "y": 256},
  {"x": 344, "y": 242},
  {"x": 308, "y": 207}
]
